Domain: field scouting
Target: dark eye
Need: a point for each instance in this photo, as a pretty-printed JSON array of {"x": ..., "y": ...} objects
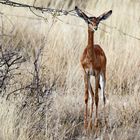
[
  {"x": 89, "y": 21},
  {"x": 98, "y": 22}
]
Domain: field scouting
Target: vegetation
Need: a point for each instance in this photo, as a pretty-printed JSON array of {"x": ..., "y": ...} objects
[{"x": 42, "y": 95}]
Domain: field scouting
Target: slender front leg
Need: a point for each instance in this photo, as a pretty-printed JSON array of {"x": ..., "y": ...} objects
[
  {"x": 102, "y": 84},
  {"x": 86, "y": 100},
  {"x": 96, "y": 98}
]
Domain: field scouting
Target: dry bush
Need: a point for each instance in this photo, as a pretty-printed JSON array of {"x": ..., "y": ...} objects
[{"x": 60, "y": 113}]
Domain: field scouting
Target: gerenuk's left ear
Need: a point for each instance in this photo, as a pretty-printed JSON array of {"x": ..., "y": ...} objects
[
  {"x": 81, "y": 14},
  {"x": 105, "y": 15}
]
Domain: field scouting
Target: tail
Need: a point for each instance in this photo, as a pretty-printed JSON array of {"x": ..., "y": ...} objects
[{"x": 99, "y": 86}]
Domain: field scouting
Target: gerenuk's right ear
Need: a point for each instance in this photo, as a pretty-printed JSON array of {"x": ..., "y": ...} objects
[{"x": 105, "y": 15}]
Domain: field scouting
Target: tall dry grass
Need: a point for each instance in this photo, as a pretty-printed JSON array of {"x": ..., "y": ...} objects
[{"x": 63, "y": 42}]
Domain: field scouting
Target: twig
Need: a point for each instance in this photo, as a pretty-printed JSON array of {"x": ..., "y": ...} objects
[
  {"x": 56, "y": 13},
  {"x": 20, "y": 16},
  {"x": 119, "y": 30},
  {"x": 22, "y": 88},
  {"x": 37, "y": 14},
  {"x": 48, "y": 10}
]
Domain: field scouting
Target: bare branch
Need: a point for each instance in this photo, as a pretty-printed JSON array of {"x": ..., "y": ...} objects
[
  {"x": 22, "y": 88},
  {"x": 48, "y": 10},
  {"x": 9, "y": 62}
]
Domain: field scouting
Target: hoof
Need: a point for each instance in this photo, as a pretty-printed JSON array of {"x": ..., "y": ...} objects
[
  {"x": 96, "y": 123},
  {"x": 90, "y": 125},
  {"x": 106, "y": 123},
  {"x": 85, "y": 124}
]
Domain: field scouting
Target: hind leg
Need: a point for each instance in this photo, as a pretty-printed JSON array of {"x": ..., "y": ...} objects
[
  {"x": 96, "y": 98},
  {"x": 102, "y": 84},
  {"x": 86, "y": 100}
]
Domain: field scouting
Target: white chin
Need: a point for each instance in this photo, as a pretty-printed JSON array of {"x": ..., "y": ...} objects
[{"x": 93, "y": 29}]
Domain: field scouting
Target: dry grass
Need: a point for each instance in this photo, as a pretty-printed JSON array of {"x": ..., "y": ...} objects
[{"x": 63, "y": 44}]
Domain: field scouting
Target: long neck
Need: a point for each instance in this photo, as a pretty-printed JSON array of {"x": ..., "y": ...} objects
[
  {"x": 90, "y": 37},
  {"x": 90, "y": 46}
]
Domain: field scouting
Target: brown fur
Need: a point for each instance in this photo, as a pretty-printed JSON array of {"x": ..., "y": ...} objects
[
  {"x": 93, "y": 61},
  {"x": 98, "y": 63}
]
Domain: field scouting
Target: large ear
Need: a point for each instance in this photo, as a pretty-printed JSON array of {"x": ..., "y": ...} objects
[
  {"x": 105, "y": 15},
  {"x": 81, "y": 14}
]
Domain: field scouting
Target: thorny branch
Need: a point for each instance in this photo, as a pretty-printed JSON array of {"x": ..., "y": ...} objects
[
  {"x": 9, "y": 62},
  {"x": 37, "y": 84},
  {"x": 57, "y": 12}
]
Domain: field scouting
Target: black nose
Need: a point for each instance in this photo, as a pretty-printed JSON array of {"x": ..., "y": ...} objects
[
  {"x": 96, "y": 28},
  {"x": 76, "y": 7}
]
